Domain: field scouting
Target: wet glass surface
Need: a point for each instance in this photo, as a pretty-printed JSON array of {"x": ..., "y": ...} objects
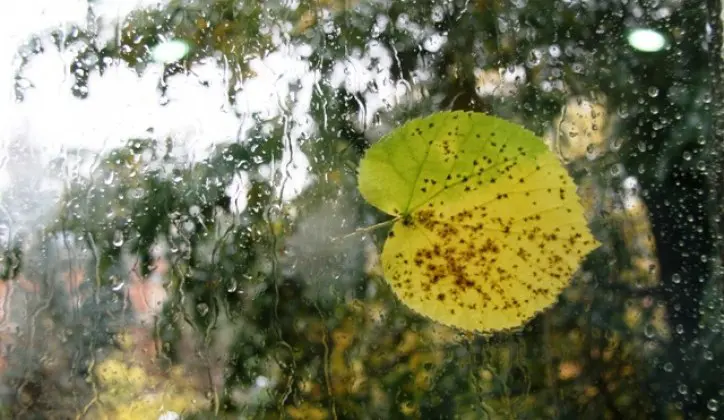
[{"x": 183, "y": 235}]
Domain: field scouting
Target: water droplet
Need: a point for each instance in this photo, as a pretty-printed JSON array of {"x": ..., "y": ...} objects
[
  {"x": 708, "y": 355},
  {"x": 109, "y": 178},
  {"x": 136, "y": 193},
  {"x": 713, "y": 405},
  {"x": 194, "y": 210},
  {"x": 591, "y": 152},
  {"x": 189, "y": 226},
  {"x": 683, "y": 389},
  {"x": 623, "y": 111},
  {"x": 117, "y": 238},
  {"x": 653, "y": 91},
  {"x": 616, "y": 144},
  {"x": 534, "y": 58},
  {"x": 202, "y": 308},
  {"x": 701, "y": 165},
  {"x": 554, "y": 50},
  {"x": 676, "y": 278},
  {"x": 116, "y": 284},
  {"x": 669, "y": 367},
  {"x": 231, "y": 288},
  {"x": 433, "y": 43},
  {"x": 438, "y": 14},
  {"x": 687, "y": 155},
  {"x": 649, "y": 331}
]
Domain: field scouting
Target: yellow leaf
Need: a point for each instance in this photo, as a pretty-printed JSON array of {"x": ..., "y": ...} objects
[{"x": 488, "y": 228}]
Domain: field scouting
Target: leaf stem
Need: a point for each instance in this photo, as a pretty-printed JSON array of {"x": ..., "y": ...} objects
[{"x": 368, "y": 228}]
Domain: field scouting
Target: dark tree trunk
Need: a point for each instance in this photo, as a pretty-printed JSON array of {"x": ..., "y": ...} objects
[
  {"x": 683, "y": 235},
  {"x": 674, "y": 152}
]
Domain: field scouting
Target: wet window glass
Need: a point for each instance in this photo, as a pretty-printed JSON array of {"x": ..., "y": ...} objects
[{"x": 326, "y": 209}]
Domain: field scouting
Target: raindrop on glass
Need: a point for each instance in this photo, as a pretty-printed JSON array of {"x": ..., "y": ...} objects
[
  {"x": 433, "y": 43},
  {"x": 616, "y": 144},
  {"x": 231, "y": 288},
  {"x": 109, "y": 178},
  {"x": 117, "y": 238},
  {"x": 591, "y": 152},
  {"x": 650, "y": 331},
  {"x": 713, "y": 405},
  {"x": 116, "y": 284},
  {"x": 438, "y": 14},
  {"x": 554, "y": 51},
  {"x": 202, "y": 308},
  {"x": 534, "y": 58},
  {"x": 622, "y": 111}
]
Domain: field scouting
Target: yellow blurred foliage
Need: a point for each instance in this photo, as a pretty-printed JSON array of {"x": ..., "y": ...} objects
[
  {"x": 569, "y": 370},
  {"x": 309, "y": 17},
  {"x": 127, "y": 391},
  {"x": 307, "y": 411},
  {"x": 580, "y": 130}
]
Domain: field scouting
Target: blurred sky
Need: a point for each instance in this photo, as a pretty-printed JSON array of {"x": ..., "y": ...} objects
[{"x": 122, "y": 105}]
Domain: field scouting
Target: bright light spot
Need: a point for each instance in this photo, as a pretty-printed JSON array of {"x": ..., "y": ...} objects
[
  {"x": 237, "y": 190},
  {"x": 169, "y": 415},
  {"x": 647, "y": 40},
  {"x": 262, "y": 381},
  {"x": 170, "y": 51},
  {"x": 630, "y": 183}
]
